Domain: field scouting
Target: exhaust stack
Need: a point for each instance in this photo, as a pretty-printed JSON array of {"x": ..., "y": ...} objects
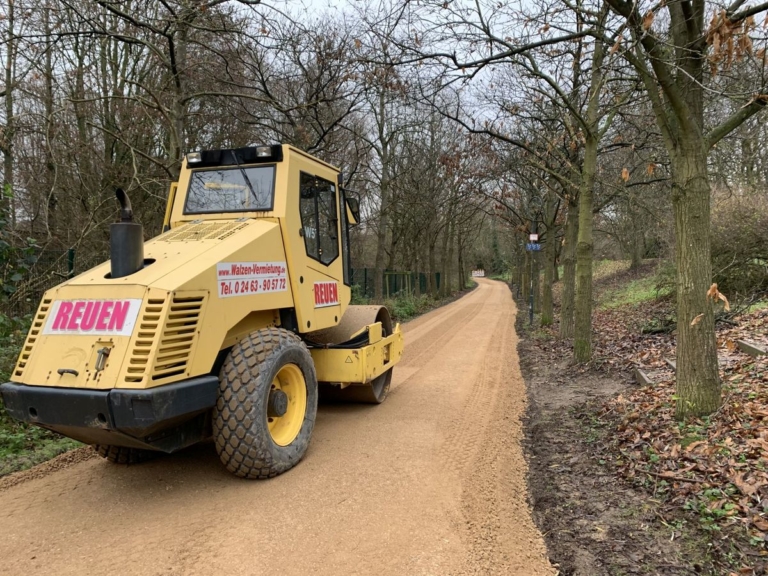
[{"x": 126, "y": 240}]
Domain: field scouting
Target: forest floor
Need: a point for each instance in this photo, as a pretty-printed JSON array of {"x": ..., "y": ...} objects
[{"x": 619, "y": 486}]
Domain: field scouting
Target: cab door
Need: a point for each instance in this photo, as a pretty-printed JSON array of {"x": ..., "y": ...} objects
[{"x": 315, "y": 242}]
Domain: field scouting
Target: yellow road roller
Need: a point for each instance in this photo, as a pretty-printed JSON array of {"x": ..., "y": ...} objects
[{"x": 229, "y": 324}]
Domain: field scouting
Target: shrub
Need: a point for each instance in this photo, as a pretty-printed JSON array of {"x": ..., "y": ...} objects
[
  {"x": 13, "y": 331},
  {"x": 407, "y": 306},
  {"x": 16, "y": 258},
  {"x": 740, "y": 243},
  {"x": 358, "y": 297}
]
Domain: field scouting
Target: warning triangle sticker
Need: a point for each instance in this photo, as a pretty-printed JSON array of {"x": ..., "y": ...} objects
[{"x": 348, "y": 360}]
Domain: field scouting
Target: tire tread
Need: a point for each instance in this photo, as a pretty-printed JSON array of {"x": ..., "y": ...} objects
[{"x": 242, "y": 448}]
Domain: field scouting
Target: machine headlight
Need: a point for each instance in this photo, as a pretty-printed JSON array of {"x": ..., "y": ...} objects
[
  {"x": 263, "y": 151},
  {"x": 194, "y": 157}
]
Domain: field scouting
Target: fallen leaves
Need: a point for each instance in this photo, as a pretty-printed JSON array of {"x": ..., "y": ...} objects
[
  {"x": 716, "y": 468},
  {"x": 760, "y": 523},
  {"x": 745, "y": 487},
  {"x": 625, "y": 175}
]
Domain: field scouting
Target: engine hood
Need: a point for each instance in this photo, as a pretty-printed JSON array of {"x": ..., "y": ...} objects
[
  {"x": 179, "y": 255},
  {"x": 165, "y": 322}
]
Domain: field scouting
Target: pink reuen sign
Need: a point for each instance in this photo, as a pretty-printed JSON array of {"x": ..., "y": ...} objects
[
  {"x": 326, "y": 294},
  {"x": 99, "y": 317}
]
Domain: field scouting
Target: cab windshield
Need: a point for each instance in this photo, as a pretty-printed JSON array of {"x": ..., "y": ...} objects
[{"x": 231, "y": 189}]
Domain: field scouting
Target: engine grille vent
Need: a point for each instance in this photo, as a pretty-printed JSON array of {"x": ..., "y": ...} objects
[
  {"x": 34, "y": 333},
  {"x": 144, "y": 339},
  {"x": 204, "y": 231},
  {"x": 179, "y": 336}
]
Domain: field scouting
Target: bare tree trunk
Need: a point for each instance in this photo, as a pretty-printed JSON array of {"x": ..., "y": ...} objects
[
  {"x": 547, "y": 311},
  {"x": 444, "y": 259},
  {"x": 381, "y": 231},
  {"x": 417, "y": 287},
  {"x": 698, "y": 381},
  {"x": 108, "y": 120},
  {"x": 536, "y": 282},
  {"x": 50, "y": 162},
  {"x": 432, "y": 279},
  {"x": 179, "y": 69},
  {"x": 519, "y": 275},
  {"x": 582, "y": 339},
  {"x": 637, "y": 243},
  {"x": 569, "y": 271},
  {"x": 460, "y": 252},
  {"x": 8, "y": 136},
  {"x": 748, "y": 147},
  {"x": 638, "y": 248},
  {"x": 447, "y": 282},
  {"x": 526, "y": 280}
]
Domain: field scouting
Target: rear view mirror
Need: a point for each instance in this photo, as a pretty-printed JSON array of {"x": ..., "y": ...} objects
[{"x": 353, "y": 210}]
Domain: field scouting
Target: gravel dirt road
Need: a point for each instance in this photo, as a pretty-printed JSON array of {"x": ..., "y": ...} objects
[{"x": 433, "y": 481}]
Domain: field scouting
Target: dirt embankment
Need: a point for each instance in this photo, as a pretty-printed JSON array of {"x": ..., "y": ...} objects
[{"x": 594, "y": 524}]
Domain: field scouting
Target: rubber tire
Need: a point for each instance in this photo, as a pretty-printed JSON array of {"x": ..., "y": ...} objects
[
  {"x": 240, "y": 430},
  {"x": 123, "y": 455}
]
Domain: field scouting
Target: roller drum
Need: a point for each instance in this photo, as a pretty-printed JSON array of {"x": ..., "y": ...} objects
[{"x": 354, "y": 319}]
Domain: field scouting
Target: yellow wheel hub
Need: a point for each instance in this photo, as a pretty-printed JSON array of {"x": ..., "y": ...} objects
[{"x": 287, "y": 405}]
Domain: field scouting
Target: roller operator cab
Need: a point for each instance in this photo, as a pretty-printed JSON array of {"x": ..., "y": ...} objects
[{"x": 228, "y": 324}]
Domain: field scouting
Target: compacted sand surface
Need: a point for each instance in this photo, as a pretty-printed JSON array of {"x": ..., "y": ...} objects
[{"x": 433, "y": 481}]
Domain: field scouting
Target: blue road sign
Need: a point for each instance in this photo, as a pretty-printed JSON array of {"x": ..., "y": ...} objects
[{"x": 533, "y": 246}]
